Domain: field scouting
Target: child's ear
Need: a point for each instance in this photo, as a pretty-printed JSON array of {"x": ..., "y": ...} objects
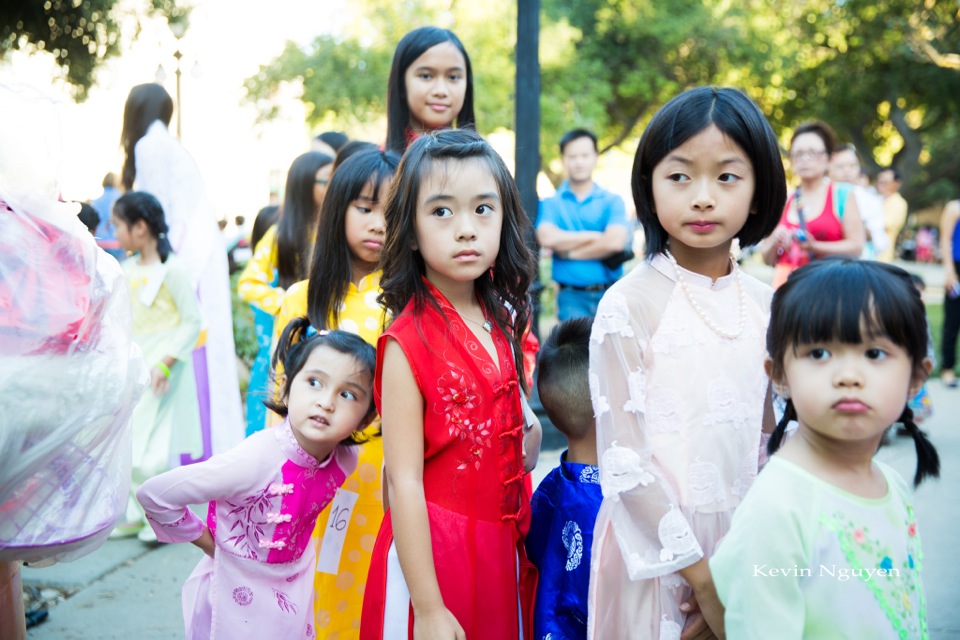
[
  {"x": 920, "y": 376},
  {"x": 779, "y": 386},
  {"x": 140, "y": 227},
  {"x": 367, "y": 419}
]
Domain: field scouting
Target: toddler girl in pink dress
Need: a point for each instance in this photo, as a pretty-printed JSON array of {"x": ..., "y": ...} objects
[{"x": 256, "y": 579}]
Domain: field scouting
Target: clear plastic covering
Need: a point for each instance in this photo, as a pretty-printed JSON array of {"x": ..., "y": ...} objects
[{"x": 70, "y": 376}]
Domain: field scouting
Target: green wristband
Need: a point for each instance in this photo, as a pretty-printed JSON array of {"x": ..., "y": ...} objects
[{"x": 164, "y": 368}]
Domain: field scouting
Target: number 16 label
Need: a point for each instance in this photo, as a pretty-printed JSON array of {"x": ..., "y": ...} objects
[{"x": 335, "y": 532}]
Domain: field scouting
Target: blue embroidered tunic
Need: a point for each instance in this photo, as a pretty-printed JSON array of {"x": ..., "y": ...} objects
[{"x": 565, "y": 508}]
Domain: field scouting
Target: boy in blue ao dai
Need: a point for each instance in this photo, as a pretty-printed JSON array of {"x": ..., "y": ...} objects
[{"x": 565, "y": 504}]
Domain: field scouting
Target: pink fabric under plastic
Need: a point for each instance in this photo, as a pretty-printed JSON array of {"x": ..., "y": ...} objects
[{"x": 69, "y": 379}]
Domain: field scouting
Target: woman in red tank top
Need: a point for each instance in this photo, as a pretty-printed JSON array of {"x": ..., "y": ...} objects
[{"x": 811, "y": 226}]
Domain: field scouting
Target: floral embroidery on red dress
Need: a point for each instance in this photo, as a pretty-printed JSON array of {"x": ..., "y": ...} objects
[{"x": 460, "y": 402}]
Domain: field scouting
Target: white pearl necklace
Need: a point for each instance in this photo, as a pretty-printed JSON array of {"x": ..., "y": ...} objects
[{"x": 699, "y": 310}]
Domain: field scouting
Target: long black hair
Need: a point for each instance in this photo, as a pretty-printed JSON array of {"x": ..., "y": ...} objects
[
  {"x": 739, "y": 118},
  {"x": 838, "y": 299},
  {"x": 506, "y": 282},
  {"x": 140, "y": 205},
  {"x": 146, "y": 104},
  {"x": 298, "y": 218},
  {"x": 266, "y": 218},
  {"x": 297, "y": 342},
  {"x": 330, "y": 266},
  {"x": 412, "y": 46}
]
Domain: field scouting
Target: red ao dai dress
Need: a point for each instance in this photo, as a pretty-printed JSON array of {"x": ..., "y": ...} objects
[{"x": 478, "y": 504}]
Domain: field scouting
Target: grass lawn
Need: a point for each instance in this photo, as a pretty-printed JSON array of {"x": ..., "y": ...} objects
[{"x": 935, "y": 318}]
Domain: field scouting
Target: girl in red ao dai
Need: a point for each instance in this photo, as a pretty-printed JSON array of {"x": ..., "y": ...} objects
[{"x": 456, "y": 443}]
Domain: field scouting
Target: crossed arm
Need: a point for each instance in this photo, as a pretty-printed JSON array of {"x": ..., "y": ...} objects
[{"x": 582, "y": 245}]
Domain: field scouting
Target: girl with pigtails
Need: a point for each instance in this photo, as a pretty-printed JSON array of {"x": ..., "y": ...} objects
[
  {"x": 826, "y": 542},
  {"x": 166, "y": 323}
]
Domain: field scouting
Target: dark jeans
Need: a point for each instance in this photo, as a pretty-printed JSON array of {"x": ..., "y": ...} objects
[
  {"x": 951, "y": 327},
  {"x": 572, "y": 303}
]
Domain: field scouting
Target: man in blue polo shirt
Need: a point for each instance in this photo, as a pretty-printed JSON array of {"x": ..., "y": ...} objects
[{"x": 582, "y": 224}]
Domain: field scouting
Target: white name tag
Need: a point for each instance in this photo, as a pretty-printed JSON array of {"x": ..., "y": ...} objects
[{"x": 335, "y": 532}]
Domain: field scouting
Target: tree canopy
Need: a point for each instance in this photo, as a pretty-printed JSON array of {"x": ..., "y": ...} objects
[
  {"x": 882, "y": 72},
  {"x": 79, "y": 34}
]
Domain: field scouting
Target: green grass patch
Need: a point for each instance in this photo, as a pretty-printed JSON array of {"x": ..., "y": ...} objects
[
  {"x": 244, "y": 329},
  {"x": 935, "y": 318}
]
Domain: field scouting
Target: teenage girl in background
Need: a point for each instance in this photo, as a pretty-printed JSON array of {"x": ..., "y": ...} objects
[
  {"x": 256, "y": 579},
  {"x": 281, "y": 258},
  {"x": 430, "y": 86},
  {"x": 166, "y": 323},
  {"x": 848, "y": 349},
  {"x": 455, "y": 278},
  {"x": 156, "y": 162},
  {"x": 676, "y": 366},
  {"x": 342, "y": 294}
]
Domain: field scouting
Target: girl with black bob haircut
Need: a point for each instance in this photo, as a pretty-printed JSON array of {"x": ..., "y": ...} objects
[
  {"x": 847, "y": 347},
  {"x": 851, "y": 301},
  {"x": 676, "y": 365},
  {"x": 734, "y": 114},
  {"x": 412, "y": 46}
]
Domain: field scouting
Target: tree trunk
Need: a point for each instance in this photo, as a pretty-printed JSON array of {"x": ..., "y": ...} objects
[{"x": 907, "y": 160}]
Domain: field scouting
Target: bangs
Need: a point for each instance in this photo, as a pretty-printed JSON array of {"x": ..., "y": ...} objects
[
  {"x": 372, "y": 166},
  {"x": 848, "y": 301}
]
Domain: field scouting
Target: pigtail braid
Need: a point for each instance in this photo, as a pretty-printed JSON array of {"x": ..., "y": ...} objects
[
  {"x": 164, "y": 248},
  {"x": 291, "y": 338},
  {"x": 293, "y": 333},
  {"x": 928, "y": 460},
  {"x": 776, "y": 438}
]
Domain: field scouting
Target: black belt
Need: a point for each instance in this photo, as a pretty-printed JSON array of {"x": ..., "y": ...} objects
[{"x": 592, "y": 287}]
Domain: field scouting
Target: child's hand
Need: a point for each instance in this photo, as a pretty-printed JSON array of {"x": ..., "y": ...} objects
[
  {"x": 711, "y": 611},
  {"x": 532, "y": 437},
  {"x": 437, "y": 625},
  {"x": 205, "y": 542},
  {"x": 705, "y": 597},
  {"x": 696, "y": 627},
  {"x": 782, "y": 237},
  {"x": 159, "y": 382}
]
